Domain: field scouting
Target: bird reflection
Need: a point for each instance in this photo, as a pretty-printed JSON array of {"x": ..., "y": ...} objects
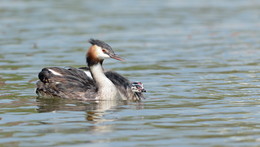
[{"x": 94, "y": 109}]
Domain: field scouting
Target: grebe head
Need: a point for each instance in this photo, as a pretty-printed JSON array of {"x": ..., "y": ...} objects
[
  {"x": 137, "y": 87},
  {"x": 100, "y": 51}
]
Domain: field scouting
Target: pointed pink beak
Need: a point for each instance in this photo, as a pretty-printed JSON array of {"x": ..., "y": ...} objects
[{"x": 114, "y": 56}]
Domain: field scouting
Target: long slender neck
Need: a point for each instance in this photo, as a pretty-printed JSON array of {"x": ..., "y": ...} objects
[{"x": 106, "y": 89}]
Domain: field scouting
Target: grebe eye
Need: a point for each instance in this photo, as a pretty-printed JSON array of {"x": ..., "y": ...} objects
[{"x": 104, "y": 50}]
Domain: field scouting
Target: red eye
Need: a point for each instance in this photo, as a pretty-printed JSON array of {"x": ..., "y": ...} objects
[{"x": 104, "y": 50}]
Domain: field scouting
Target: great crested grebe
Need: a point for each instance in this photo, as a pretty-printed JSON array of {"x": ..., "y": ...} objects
[{"x": 73, "y": 83}]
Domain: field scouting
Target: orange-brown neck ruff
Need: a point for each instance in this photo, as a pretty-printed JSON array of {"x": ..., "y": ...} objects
[{"x": 92, "y": 58}]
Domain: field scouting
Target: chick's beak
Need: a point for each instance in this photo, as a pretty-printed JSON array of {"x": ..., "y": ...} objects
[{"x": 143, "y": 90}]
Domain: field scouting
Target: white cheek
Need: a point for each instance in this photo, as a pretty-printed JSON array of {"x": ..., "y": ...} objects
[
  {"x": 103, "y": 56},
  {"x": 100, "y": 54}
]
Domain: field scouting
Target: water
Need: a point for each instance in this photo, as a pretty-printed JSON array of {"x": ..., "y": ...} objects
[{"x": 199, "y": 61}]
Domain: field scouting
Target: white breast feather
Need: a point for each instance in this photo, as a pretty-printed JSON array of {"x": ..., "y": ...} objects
[{"x": 88, "y": 74}]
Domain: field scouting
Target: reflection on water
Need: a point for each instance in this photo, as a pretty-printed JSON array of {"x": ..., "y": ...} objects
[
  {"x": 199, "y": 61},
  {"x": 94, "y": 109},
  {"x": 95, "y": 113}
]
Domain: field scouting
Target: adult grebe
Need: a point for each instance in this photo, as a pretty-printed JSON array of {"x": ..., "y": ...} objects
[{"x": 73, "y": 83}]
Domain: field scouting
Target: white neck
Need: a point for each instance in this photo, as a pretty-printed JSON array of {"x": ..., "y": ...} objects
[{"x": 106, "y": 89}]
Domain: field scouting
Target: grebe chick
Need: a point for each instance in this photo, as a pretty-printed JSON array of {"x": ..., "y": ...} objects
[
  {"x": 137, "y": 87},
  {"x": 73, "y": 83}
]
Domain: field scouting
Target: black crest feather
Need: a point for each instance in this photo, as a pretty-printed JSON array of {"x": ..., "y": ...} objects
[{"x": 100, "y": 43}]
